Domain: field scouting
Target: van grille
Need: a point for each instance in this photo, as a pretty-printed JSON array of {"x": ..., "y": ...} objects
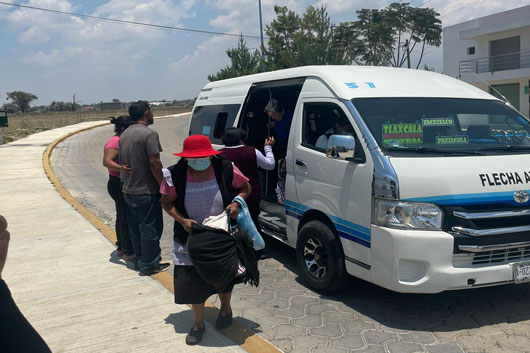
[
  {"x": 495, "y": 257},
  {"x": 488, "y": 235}
]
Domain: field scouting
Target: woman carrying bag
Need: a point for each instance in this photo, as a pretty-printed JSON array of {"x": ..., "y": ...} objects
[{"x": 200, "y": 185}]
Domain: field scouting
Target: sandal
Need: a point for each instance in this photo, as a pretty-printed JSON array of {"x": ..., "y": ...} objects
[
  {"x": 195, "y": 335},
  {"x": 223, "y": 321}
]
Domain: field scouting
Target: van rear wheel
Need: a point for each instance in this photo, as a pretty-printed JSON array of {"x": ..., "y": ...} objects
[{"x": 320, "y": 257}]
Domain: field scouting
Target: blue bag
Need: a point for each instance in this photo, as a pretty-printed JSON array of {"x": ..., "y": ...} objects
[{"x": 244, "y": 221}]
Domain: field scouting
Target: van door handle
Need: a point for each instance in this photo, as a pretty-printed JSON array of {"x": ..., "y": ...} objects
[{"x": 301, "y": 163}]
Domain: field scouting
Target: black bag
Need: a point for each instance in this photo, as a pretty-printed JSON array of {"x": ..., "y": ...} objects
[{"x": 216, "y": 255}]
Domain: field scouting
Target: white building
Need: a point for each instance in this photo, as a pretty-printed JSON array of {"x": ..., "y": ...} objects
[{"x": 493, "y": 49}]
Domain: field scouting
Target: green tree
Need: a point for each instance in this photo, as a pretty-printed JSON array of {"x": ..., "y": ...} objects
[
  {"x": 281, "y": 52},
  {"x": 242, "y": 62},
  {"x": 21, "y": 99},
  {"x": 373, "y": 38},
  {"x": 316, "y": 43},
  {"x": 416, "y": 26}
]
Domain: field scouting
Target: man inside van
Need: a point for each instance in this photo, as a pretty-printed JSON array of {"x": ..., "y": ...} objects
[
  {"x": 140, "y": 150},
  {"x": 342, "y": 127},
  {"x": 281, "y": 123}
]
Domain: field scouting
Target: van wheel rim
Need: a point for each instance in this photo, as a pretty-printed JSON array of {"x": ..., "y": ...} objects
[{"x": 316, "y": 258}]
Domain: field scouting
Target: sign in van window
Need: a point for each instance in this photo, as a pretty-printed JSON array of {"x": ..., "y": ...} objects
[
  {"x": 402, "y": 134},
  {"x": 434, "y": 122},
  {"x": 452, "y": 140}
]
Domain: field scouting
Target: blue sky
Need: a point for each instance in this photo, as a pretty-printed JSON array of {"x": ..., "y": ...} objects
[{"x": 54, "y": 56}]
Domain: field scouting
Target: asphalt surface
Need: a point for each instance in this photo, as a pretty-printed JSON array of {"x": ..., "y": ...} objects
[{"x": 283, "y": 310}]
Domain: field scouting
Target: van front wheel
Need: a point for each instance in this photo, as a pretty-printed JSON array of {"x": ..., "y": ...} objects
[{"x": 320, "y": 258}]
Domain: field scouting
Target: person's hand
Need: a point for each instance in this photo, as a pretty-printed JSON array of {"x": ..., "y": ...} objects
[
  {"x": 233, "y": 209},
  {"x": 125, "y": 169},
  {"x": 269, "y": 141},
  {"x": 186, "y": 223}
]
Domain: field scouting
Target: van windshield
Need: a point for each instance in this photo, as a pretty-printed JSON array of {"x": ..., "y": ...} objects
[{"x": 445, "y": 125}]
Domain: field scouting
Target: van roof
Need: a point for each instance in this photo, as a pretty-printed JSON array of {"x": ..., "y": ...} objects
[{"x": 369, "y": 81}]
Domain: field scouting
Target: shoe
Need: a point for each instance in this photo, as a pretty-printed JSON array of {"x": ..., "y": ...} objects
[
  {"x": 119, "y": 253},
  {"x": 223, "y": 321},
  {"x": 128, "y": 257},
  {"x": 158, "y": 268},
  {"x": 195, "y": 335}
]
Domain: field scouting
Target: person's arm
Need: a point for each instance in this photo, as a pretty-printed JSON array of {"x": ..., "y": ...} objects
[
  {"x": 244, "y": 192},
  {"x": 109, "y": 161},
  {"x": 155, "y": 164},
  {"x": 168, "y": 206},
  {"x": 266, "y": 162},
  {"x": 4, "y": 243}
]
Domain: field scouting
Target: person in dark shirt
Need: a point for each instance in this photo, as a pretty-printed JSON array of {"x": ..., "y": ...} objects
[
  {"x": 248, "y": 159},
  {"x": 281, "y": 123}
]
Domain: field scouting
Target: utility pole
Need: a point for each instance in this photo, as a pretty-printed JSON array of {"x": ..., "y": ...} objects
[{"x": 261, "y": 31}]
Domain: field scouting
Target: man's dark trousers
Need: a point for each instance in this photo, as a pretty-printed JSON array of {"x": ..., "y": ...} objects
[{"x": 144, "y": 216}]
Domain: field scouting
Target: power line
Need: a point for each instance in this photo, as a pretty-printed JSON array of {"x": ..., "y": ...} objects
[
  {"x": 460, "y": 8},
  {"x": 198, "y": 31}
]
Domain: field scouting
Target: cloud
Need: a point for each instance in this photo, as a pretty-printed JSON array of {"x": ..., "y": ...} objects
[{"x": 34, "y": 35}]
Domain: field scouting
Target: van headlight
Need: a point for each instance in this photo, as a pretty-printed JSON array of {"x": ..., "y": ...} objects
[{"x": 407, "y": 215}]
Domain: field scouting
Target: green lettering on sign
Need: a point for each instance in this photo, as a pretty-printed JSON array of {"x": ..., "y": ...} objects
[
  {"x": 452, "y": 140},
  {"x": 402, "y": 134},
  {"x": 437, "y": 122}
]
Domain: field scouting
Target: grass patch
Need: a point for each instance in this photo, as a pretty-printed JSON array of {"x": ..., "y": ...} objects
[{"x": 22, "y": 125}]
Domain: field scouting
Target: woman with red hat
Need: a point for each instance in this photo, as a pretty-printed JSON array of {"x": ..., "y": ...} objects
[{"x": 200, "y": 185}]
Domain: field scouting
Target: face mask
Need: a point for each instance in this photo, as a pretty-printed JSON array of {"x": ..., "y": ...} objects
[{"x": 199, "y": 164}]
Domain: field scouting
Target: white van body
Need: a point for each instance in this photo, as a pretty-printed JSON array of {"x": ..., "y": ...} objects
[{"x": 345, "y": 196}]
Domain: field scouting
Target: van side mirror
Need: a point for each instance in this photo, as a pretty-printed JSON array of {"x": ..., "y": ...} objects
[
  {"x": 343, "y": 147},
  {"x": 340, "y": 147}
]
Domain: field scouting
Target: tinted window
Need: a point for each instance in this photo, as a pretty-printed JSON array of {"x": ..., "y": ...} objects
[
  {"x": 322, "y": 120},
  {"x": 212, "y": 120}
]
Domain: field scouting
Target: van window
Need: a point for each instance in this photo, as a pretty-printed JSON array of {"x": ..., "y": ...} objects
[
  {"x": 322, "y": 120},
  {"x": 212, "y": 120},
  {"x": 444, "y": 125}
]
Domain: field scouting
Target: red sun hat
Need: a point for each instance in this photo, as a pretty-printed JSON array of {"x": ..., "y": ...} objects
[{"x": 197, "y": 146}]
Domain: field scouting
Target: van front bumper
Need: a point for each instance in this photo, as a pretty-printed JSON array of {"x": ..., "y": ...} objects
[{"x": 422, "y": 262}]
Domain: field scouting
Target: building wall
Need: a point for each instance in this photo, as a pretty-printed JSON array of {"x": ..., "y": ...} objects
[{"x": 478, "y": 33}]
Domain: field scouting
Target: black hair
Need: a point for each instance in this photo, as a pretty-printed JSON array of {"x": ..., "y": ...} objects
[
  {"x": 121, "y": 122},
  {"x": 137, "y": 110},
  {"x": 274, "y": 106},
  {"x": 232, "y": 136}
]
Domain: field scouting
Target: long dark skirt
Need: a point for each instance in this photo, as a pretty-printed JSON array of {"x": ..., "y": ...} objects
[{"x": 190, "y": 288}]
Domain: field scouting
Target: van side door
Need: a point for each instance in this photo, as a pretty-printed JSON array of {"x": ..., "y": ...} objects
[{"x": 339, "y": 189}]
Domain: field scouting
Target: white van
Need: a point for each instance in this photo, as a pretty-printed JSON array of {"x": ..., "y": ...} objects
[{"x": 427, "y": 191}]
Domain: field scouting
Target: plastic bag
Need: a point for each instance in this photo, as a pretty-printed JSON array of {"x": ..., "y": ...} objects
[{"x": 245, "y": 223}]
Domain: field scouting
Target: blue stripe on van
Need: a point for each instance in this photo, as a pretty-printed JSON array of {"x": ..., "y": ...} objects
[
  {"x": 470, "y": 199},
  {"x": 345, "y": 229}
]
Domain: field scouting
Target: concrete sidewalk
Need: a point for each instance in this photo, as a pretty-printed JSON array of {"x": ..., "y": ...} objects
[{"x": 64, "y": 279}]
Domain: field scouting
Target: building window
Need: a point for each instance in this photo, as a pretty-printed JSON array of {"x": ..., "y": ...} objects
[
  {"x": 510, "y": 91},
  {"x": 470, "y": 50}
]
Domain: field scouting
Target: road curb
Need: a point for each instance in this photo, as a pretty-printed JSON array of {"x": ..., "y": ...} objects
[{"x": 242, "y": 336}]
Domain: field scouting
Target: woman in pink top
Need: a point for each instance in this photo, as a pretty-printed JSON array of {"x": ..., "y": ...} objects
[
  {"x": 114, "y": 185},
  {"x": 200, "y": 185}
]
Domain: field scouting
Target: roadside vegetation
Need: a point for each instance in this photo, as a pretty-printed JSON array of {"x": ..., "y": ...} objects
[
  {"x": 398, "y": 35},
  {"x": 24, "y": 124}
]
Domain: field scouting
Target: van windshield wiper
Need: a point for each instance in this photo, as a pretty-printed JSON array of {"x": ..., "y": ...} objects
[
  {"x": 507, "y": 148},
  {"x": 431, "y": 150}
]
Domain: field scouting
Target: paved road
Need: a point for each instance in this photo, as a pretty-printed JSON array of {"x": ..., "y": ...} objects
[{"x": 363, "y": 318}]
